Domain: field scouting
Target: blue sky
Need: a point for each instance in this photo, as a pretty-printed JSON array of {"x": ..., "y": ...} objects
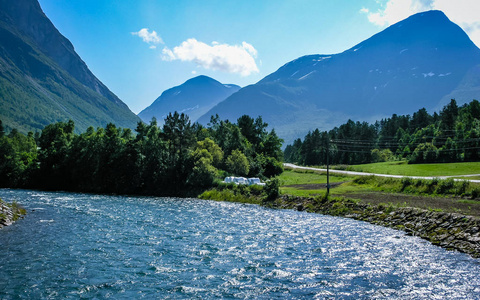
[{"x": 139, "y": 48}]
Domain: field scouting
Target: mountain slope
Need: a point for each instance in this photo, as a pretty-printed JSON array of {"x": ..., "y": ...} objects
[
  {"x": 422, "y": 61},
  {"x": 194, "y": 97},
  {"x": 42, "y": 78}
]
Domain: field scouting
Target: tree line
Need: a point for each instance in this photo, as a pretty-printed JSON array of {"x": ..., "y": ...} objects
[
  {"x": 177, "y": 159},
  {"x": 452, "y": 135}
]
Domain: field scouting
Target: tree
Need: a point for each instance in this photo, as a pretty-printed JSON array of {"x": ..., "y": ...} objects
[
  {"x": 420, "y": 119},
  {"x": 213, "y": 149},
  {"x": 54, "y": 144},
  {"x": 179, "y": 137},
  {"x": 448, "y": 116},
  {"x": 254, "y": 131},
  {"x": 153, "y": 160},
  {"x": 237, "y": 163},
  {"x": 292, "y": 152},
  {"x": 2, "y": 131},
  {"x": 424, "y": 153},
  {"x": 272, "y": 146},
  {"x": 448, "y": 152},
  {"x": 203, "y": 173},
  {"x": 472, "y": 143}
]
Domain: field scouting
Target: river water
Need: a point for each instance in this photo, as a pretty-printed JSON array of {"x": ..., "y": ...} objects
[{"x": 89, "y": 246}]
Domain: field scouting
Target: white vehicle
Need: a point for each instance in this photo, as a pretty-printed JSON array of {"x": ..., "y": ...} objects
[
  {"x": 243, "y": 180},
  {"x": 255, "y": 181},
  {"x": 229, "y": 179},
  {"x": 240, "y": 180}
]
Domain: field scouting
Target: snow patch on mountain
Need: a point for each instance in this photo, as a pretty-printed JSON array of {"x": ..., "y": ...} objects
[{"x": 305, "y": 76}]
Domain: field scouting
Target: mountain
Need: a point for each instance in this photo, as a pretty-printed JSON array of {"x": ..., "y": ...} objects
[
  {"x": 422, "y": 61},
  {"x": 42, "y": 78},
  {"x": 194, "y": 97}
]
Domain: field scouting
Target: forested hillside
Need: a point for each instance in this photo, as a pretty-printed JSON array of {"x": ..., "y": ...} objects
[
  {"x": 178, "y": 159},
  {"x": 453, "y": 135},
  {"x": 43, "y": 80}
]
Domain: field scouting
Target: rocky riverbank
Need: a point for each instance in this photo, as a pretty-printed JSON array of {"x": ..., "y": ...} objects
[
  {"x": 9, "y": 213},
  {"x": 449, "y": 230}
]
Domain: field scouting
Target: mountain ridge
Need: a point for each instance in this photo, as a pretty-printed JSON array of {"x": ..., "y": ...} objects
[
  {"x": 415, "y": 63},
  {"x": 194, "y": 97},
  {"x": 43, "y": 80}
]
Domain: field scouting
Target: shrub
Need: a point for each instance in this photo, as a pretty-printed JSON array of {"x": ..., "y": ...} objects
[
  {"x": 445, "y": 186},
  {"x": 419, "y": 183},
  {"x": 431, "y": 185},
  {"x": 475, "y": 193},
  {"x": 364, "y": 179},
  {"x": 462, "y": 187},
  {"x": 406, "y": 181},
  {"x": 272, "y": 190},
  {"x": 426, "y": 152}
]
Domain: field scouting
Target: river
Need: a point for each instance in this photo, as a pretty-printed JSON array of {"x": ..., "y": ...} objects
[{"x": 94, "y": 246}]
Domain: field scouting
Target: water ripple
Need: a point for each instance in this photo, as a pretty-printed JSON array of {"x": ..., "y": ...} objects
[{"x": 90, "y": 246}]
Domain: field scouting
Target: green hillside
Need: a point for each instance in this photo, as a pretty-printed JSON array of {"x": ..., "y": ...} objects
[{"x": 36, "y": 91}]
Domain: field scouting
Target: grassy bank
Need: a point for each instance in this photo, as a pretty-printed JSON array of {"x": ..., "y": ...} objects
[
  {"x": 448, "y": 230},
  {"x": 403, "y": 168},
  {"x": 230, "y": 192},
  {"x": 439, "y": 195}
]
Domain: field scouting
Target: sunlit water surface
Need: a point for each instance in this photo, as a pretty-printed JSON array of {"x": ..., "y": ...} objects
[{"x": 89, "y": 246}]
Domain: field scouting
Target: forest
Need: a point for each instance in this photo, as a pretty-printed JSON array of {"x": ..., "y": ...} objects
[
  {"x": 452, "y": 135},
  {"x": 177, "y": 159}
]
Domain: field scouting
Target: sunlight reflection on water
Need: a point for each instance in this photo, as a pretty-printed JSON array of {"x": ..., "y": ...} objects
[{"x": 78, "y": 245}]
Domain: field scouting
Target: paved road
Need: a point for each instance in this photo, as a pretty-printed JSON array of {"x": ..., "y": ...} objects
[{"x": 381, "y": 175}]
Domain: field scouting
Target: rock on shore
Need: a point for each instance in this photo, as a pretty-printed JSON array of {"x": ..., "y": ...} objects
[
  {"x": 449, "y": 230},
  {"x": 9, "y": 213}
]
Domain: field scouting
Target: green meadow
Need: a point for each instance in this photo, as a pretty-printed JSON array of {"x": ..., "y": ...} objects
[
  {"x": 433, "y": 194},
  {"x": 403, "y": 168}
]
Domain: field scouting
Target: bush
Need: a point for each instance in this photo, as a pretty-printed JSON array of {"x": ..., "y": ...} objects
[
  {"x": 445, "y": 186},
  {"x": 256, "y": 190},
  {"x": 475, "y": 193},
  {"x": 272, "y": 190},
  {"x": 381, "y": 155},
  {"x": 462, "y": 187},
  {"x": 419, "y": 183},
  {"x": 272, "y": 167},
  {"x": 406, "y": 181},
  {"x": 424, "y": 153},
  {"x": 364, "y": 179},
  {"x": 431, "y": 185}
]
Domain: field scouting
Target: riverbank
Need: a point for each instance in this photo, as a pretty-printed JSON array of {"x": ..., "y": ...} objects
[
  {"x": 452, "y": 231},
  {"x": 10, "y": 213}
]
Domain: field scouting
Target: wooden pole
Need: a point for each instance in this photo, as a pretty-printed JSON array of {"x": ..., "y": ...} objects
[{"x": 328, "y": 172}]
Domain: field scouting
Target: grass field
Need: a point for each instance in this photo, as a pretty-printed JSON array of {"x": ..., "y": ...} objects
[
  {"x": 375, "y": 190},
  {"x": 403, "y": 168}
]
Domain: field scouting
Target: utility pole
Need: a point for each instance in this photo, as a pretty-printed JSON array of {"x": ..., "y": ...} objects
[{"x": 328, "y": 168}]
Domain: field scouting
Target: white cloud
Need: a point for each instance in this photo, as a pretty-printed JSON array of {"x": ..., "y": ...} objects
[
  {"x": 462, "y": 12},
  {"x": 168, "y": 54},
  {"x": 221, "y": 57},
  {"x": 364, "y": 10},
  {"x": 149, "y": 37}
]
